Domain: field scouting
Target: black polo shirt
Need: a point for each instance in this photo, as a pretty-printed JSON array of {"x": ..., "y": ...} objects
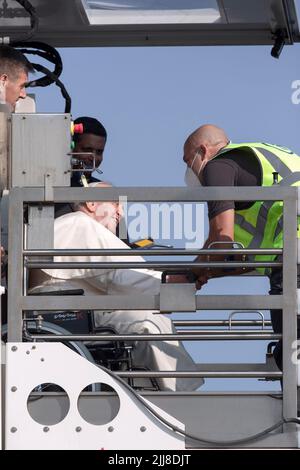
[{"x": 236, "y": 168}]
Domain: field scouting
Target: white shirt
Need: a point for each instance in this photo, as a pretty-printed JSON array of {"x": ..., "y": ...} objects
[{"x": 79, "y": 230}]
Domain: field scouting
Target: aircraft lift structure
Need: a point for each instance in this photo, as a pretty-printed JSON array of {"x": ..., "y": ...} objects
[{"x": 35, "y": 169}]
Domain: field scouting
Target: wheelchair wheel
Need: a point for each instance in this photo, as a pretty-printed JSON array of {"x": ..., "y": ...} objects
[
  {"x": 56, "y": 330},
  {"x": 53, "y": 329}
]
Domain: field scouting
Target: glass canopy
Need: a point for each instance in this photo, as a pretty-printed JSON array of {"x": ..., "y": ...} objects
[
  {"x": 151, "y": 4},
  {"x": 151, "y": 11}
]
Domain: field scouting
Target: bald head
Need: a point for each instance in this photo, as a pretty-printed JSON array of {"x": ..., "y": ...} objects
[
  {"x": 207, "y": 139},
  {"x": 207, "y": 135},
  {"x": 202, "y": 145}
]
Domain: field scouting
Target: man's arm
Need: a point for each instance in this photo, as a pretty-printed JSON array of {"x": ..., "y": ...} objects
[{"x": 221, "y": 229}]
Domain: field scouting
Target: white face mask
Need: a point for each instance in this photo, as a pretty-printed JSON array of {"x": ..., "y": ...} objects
[
  {"x": 191, "y": 179},
  {"x": 2, "y": 92}
]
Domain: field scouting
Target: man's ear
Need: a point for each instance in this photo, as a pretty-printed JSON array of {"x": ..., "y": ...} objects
[
  {"x": 203, "y": 150},
  {"x": 91, "y": 206}
]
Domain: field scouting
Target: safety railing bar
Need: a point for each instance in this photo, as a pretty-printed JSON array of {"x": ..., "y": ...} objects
[
  {"x": 171, "y": 265},
  {"x": 154, "y": 194},
  {"x": 199, "y": 393},
  {"x": 146, "y": 302},
  {"x": 190, "y": 323},
  {"x": 237, "y": 367},
  {"x": 90, "y": 302},
  {"x": 151, "y": 252},
  {"x": 224, "y": 302},
  {"x": 195, "y": 332},
  {"x": 205, "y": 374},
  {"x": 160, "y": 393},
  {"x": 160, "y": 337}
]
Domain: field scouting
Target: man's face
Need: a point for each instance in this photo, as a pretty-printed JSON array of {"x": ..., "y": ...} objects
[
  {"x": 93, "y": 144},
  {"x": 109, "y": 214},
  {"x": 13, "y": 89},
  {"x": 193, "y": 157}
]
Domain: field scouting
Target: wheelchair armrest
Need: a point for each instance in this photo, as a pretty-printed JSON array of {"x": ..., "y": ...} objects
[
  {"x": 61, "y": 292},
  {"x": 104, "y": 330}
]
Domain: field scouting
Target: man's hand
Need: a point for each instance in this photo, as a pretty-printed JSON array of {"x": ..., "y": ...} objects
[
  {"x": 177, "y": 279},
  {"x": 202, "y": 280},
  {"x": 3, "y": 257}
]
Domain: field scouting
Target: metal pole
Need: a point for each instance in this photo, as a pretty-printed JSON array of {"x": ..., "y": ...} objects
[
  {"x": 161, "y": 337},
  {"x": 183, "y": 323},
  {"x": 152, "y": 194},
  {"x": 175, "y": 265},
  {"x": 150, "y": 252},
  {"x": 220, "y": 374},
  {"x": 146, "y": 302},
  {"x": 15, "y": 269},
  {"x": 236, "y": 331},
  {"x": 289, "y": 313}
]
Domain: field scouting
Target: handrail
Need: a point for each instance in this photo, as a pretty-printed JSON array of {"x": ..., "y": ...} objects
[
  {"x": 149, "y": 264},
  {"x": 237, "y": 331},
  {"x": 151, "y": 252},
  {"x": 216, "y": 323},
  {"x": 161, "y": 337},
  {"x": 206, "y": 374}
]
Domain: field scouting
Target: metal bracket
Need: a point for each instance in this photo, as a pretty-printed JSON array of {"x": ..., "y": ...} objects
[
  {"x": 177, "y": 298},
  {"x": 279, "y": 43},
  {"x": 49, "y": 194},
  {"x": 246, "y": 311}
]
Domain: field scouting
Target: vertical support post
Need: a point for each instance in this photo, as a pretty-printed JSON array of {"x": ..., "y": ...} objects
[
  {"x": 15, "y": 264},
  {"x": 3, "y": 150},
  {"x": 3, "y": 186},
  {"x": 2, "y": 364},
  {"x": 40, "y": 234},
  {"x": 40, "y": 227},
  {"x": 289, "y": 312}
]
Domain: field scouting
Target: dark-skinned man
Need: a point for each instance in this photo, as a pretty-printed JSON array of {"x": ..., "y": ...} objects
[{"x": 92, "y": 141}]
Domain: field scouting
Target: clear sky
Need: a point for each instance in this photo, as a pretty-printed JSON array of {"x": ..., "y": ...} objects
[{"x": 150, "y": 99}]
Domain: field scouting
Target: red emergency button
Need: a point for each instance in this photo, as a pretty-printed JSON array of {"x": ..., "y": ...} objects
[{"x": 76, "y": 128}]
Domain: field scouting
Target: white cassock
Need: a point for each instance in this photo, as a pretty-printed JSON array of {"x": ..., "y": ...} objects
[{"x": 79, "y": 230}]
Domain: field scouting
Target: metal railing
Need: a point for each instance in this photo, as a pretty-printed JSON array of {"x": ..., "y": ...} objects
[{"x": 20, "y": 261}]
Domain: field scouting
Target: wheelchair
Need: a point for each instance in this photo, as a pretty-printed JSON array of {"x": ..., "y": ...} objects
[{"x": 113, "y": 355}]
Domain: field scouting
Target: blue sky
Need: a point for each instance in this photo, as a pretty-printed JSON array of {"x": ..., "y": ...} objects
[{"x": 150, "y": 99}]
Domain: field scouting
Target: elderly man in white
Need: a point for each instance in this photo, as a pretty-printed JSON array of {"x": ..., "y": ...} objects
[{"x": 93, "y": 226}]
